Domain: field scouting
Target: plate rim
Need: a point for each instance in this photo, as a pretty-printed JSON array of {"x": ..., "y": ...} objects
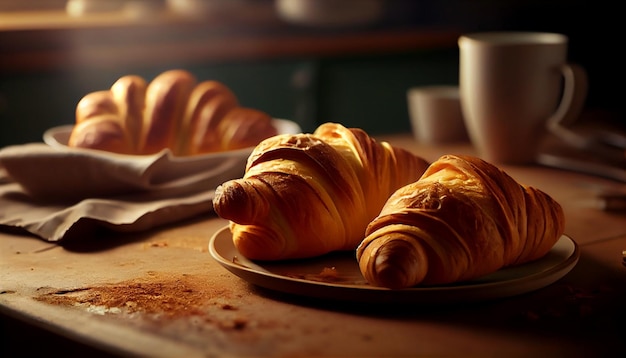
[
  {"x": 373, "y": 294},
  {"x": 49, "y": 138}
]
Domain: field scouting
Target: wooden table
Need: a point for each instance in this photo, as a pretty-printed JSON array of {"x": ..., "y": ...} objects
[{"x": 160, "y": 293}]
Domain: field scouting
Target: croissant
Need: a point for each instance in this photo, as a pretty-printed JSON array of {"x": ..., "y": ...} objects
[
  {"x": 172, "y": 111},
  {"x": 462, "y": 219},
  {"x": 305, "y": 195}
]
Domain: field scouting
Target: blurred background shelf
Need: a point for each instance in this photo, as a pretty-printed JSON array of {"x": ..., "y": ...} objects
[{"x": 356, "y": 74}]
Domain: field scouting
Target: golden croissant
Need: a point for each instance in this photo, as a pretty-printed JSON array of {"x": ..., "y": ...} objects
[
  {"x": 305, "y": 195},
  {"x": 462, "y": 219},
  {"x": 172, "y": 111}
]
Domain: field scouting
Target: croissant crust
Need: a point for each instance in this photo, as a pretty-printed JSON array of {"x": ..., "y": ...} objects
[
  {"x": 173, "y": 111},
  {"x": 305, "y": 195},
  {"x": 462, "y": 219}
]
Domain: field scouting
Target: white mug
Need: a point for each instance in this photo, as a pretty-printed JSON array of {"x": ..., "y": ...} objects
[
  {"x": 513, "y": 85},
  {"x": 435, "y": 114}
]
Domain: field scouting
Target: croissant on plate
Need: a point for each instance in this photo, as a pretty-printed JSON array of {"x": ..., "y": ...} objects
[
  {"x": 305, "y": 195},
  {"x": 172, "y": 111},
  {"x": 462, "y": 219}
]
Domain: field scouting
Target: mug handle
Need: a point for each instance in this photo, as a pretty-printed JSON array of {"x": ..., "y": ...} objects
[{"x": 574, "y": 95}]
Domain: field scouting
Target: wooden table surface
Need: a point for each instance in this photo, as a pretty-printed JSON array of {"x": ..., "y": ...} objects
[{"x": 160, "y": 293}]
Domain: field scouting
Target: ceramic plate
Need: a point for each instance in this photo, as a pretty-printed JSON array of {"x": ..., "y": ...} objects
[
  {"x": 59, "y": 136},
  {"x": 337, "y": 277}
]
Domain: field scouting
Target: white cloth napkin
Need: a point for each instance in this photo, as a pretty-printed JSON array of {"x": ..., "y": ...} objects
[{"x": 56, "y": 193}]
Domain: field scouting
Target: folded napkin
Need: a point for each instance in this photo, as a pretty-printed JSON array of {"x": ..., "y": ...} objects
[{"x": 58, "y": 192}]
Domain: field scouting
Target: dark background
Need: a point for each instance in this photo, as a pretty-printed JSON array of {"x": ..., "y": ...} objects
[{"x": 361, "y": 89}]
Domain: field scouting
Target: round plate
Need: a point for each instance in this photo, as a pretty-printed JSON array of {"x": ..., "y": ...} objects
[
  {"x": 337, "y": 276},
  {"x": 59, "y": 136}
]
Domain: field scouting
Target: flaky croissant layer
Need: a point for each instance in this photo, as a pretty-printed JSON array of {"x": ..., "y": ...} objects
[
  {"x": 462, "y": 219},
  {"x": 306, "y": 195}
]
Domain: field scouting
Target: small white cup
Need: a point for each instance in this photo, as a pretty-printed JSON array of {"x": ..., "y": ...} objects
[{"x": 435, "y": 114}]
